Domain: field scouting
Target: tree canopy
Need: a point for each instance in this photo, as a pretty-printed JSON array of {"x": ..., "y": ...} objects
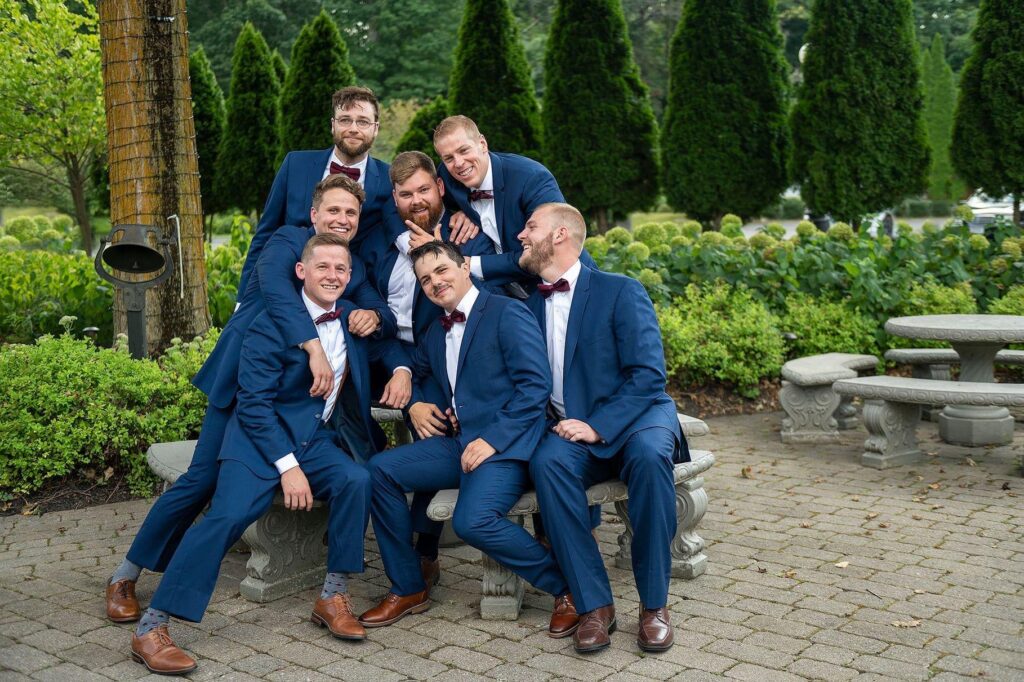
[
  {"x": 420, "y": 135},
  {"x": 939, "y": 103},
  {"x": 208, "y": 115}
]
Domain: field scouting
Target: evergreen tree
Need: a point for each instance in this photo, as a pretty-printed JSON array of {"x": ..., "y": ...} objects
[
  {"x": 420, "y": 135},
  {"x": 319, "y": 68},
  {"x": 939, "y": 103},
  {"x": 208, "y": 116},
  {"x": 490, "y": 81},
  {"x": 859, "y": 143},
  {"x": 280, "y": 68},
  {"x": 988, "y": 133},
  {"x": 726, "y": 138},
  {"x": 600, "y": 134},
  {"x": 248, "y": 150}
]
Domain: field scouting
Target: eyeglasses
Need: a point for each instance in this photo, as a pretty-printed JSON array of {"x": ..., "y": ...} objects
[{"x": 361, "y": 123}]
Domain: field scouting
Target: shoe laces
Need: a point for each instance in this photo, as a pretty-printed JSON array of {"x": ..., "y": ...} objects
[
  {"x": 122, "y": 589},
  {"x": 163, "y": 636}
]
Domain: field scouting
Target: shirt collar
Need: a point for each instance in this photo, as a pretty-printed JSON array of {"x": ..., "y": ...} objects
[
  {"x": 570, "y": 275},
  {"x": 312, "y": 308},
  {"x": 466, "y": 304},
  {"x": 361, "y": 165}
]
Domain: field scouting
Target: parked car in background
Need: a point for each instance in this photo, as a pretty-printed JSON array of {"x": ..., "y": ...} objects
[{"x": 986, "y": 209}]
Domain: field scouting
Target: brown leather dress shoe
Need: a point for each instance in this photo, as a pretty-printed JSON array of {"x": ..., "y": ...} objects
[
  {"x": 655, "y": 633},
  {"x": 431, "y": 570},
  {"x": 393, "y": 608},
  {"x": 564, "y": 619},
  {"x": 335, "y": 614},
  {"x": 122, "y": 606},
  {"x": 595, "y": 629},
  {"x": 157, "y": 651}
]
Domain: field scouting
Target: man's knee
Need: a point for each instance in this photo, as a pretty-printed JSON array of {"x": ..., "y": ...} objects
[
  {"x": 473, "y": 527},
  {"x": 648, "y": 452},
  {"x": 550, "y": 462}
]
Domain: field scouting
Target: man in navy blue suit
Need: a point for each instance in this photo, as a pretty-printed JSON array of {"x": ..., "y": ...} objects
[
  {"x": 273, "y": 288},
  {"x": 487, "y": 354},
  {"x": 280, "y": 438},
  {"x": 610, "y": 416}
]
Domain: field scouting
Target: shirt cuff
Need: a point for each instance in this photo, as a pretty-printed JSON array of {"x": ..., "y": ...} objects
[
  {"x": 402, "y": 242},
  {"x": 285, "y": 463},
  {"x": 403, "y": 367},
  {"x": 475, "y": 268}
]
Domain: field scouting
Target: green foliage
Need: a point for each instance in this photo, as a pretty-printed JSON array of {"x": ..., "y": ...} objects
[
  {"x": 988, "y": 133},
  {"x": 951, "y": 19},
  {"x": 725, "y": 140},
  {"x": 825, "y": 326},
  {"x": 280, "y": 68},
  {"x": 721, "y": 333},
  {"x": 939, "y": 103},
  {"x": 224, "y": 271},
  {"x": 208, "y": 115},
  {"x": 22, "y": 228},
  {"x": 420, "y": 135},
  {"x": 247, "y": 159},
  {"x": 859, "y": 143},
  {"x": 600, "y": 135},
  {"x": 70, "y": 406},
  {"x": 490, "y": 79},
  {"x": 651, "y": 234},
  {"x": 319, "y": 67},
  {"x": 1012, "y": 303}
]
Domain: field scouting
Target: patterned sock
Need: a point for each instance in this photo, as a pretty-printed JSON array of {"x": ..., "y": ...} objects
[
  {"x": 151, "y": 619},
  {"x": 126, "y": 571},
  {"x": 426, "y": 545},
  {"x": 334, "y": 583}
]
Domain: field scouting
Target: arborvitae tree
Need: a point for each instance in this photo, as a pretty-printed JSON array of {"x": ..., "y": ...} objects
[
  {"x": 600, "y": 136},
  {"x": 939, "y": 103},
  {"x": 280, "y": 68},
  {"x": 725, "y": 141},
  {"x": 420, "y": 135},
  {"x": 248, "y": 150},
  {"x": 859, "y": 143},
  {"x": 490, "y": 80},
  {"x": 319, "y": 67},
  {"x": 208, "y": 115},
  {"x": 988, "y": 135}
]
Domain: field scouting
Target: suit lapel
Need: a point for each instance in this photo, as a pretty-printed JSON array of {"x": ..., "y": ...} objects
[
  {"x": 314, "y": 173},
  {"x": 576, "y": 314},
  {"x": 536, "y": 305},
  {"x": 472, "y": 323},
  {"x": 372, "y": 180},
  {"x": 498, "y": 178},
  {"x": 439, "y": 360}
]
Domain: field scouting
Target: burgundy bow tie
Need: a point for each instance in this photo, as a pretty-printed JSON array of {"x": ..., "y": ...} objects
[
  {"x": 327, "y": 317},
  {"x": 448, "y": 321},
  {"x": 351, "y": 172},
  {"x": 478, "y": 194},
  {"x": 547, "y": 289}
]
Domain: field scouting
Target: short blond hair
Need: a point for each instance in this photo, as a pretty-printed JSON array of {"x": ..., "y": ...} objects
[
  {"x": 563, "y": 214},
  {"x": 455, "y": 123},
  {"x": 324, "y": 239},
  {"x": 337, "y": 181}
]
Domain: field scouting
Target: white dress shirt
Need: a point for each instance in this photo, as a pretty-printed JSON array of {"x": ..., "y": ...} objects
[
  {"x": 488, "y": 219},
  {"x": 332, "y": 338},
  {"x": 556, "y": 321},
  {"x": 361, "y": 165},
  {"x": 453, "y": 338}
]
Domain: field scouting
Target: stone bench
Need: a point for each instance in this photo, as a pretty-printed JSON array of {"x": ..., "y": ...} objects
[
  {"x": 892, "y": 409},
  {"x": 814, "y": 412},
  {"x": 288, "y": 549},
  {"x": 502, "y": 590}
]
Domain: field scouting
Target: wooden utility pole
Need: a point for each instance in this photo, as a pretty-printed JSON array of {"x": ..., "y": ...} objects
[{"x": 154, "y": 171}]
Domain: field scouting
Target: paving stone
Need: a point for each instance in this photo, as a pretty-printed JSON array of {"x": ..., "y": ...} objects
[
  {"x": 52, "y": 641},
  {"x": 758, "y": 655},
  {"x": 414, "y": 667},
  {"x": 755, "y": 673},
  {"x": 890, "y": 667},
  {"x": 828, "y": 654},
  {"x": 465, "y": 659},
  {"x": 25, "y": 659},
  {"x": 975, "y": 668},
  {"x": 506, "y": 650},
  {"x": 357, "y": 671},
  {"x": 819, "y": 670},
  {"x": 92, "y": 656},
  {"x": 570, "y": 666},
  {"x": 68, "y": 671},
  {"x": 258, "y": 665},
  {"x": 652, "y": 667},
  {"x": 512, "y": 672},
  {"x": 843, "y": 640},
  {"x": 771, "y": 640}
]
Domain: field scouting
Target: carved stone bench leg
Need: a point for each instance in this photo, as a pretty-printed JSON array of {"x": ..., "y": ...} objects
[
  {"x": 893, "y": 434},
  {"x": 688, "y": 557},
  {"x": 809, "y": 413},
  {"x": 288, "y": 553},
  {"x": 846, "y": 414},
  {"x": 502, "y": 589}
]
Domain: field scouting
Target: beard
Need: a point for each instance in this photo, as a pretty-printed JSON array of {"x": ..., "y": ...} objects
[
  {"x": 425, "y": 221},
  {"x": 540, "y": 254},
  {"x": 351, "y": 148}
]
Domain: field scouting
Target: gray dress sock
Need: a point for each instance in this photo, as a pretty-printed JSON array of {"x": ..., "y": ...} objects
[
  {"x": 334, "y": 583},
  {"x": 126, "y": 571},
  {"x": 151, "y": 619}
]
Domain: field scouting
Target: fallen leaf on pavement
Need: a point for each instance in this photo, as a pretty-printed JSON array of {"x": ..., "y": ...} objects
[
  {"x": 1006, "y": 485},
  {"x": 789, "y": 574},
  {"x": 855, "y": 498},
  {"x": 747, "y": 472},
  {"x": 762, "y": 569},
  {"x": 906, "y": 623},
  {"x": 871, "y": 515},
  {"x": 916, "y": 517},
  {"x": 918, "y": 591},
  {"x": 934, "y": 486},
  {"x": 842, "y": 564},
  {"x": 883, "y": 525},
  {"x": 970, "y": 462},
  {"x": 805, "y": 524}
]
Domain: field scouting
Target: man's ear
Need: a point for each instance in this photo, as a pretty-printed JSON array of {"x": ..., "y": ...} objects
[
  {"x": 483, "y": 143},
  {"x": 300, "y": 270},
  {"x": 440, "y": 186},
  {"x": 312, "y": 216}
]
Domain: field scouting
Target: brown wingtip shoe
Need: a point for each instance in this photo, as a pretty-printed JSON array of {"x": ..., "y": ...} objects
[
  {"x": 335, "y": 614},
  {"x": 122, "y": 605},
  {"x": 157, "y": 651},
  {"x": 564, "y": 619},
  {"x": 655, "y": 632},
  {"x": 431, "y": 570},
  {"x": 393, "y": 608},
  {"x": 595, "y": 629}
]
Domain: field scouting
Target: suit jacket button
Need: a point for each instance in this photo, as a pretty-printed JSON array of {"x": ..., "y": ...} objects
[
  {"x": 317, "y": 415},
  {"x": 305, "y": 442}
]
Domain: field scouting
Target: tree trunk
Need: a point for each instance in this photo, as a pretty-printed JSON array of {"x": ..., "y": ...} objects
[
  {"x": 154, "y": 169},
  {"x": 602, "y": 219},
  {"x": 77, "y": 180},
  {"x": 1016, "y": 210}
]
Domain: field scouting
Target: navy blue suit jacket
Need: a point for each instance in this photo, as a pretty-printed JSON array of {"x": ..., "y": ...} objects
[
  {"x": 291, "y": 197},
  {"x": 614, "y": 367},
  {"x": 274, "y": 288},
  {"x": 503, "y": 380},
  {"x": 275, "y": 414}
]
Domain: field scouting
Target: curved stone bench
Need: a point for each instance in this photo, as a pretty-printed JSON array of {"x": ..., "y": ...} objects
[
  {"x": 892, "y": 409},
  {"x": 502, "y": 590},
  {"x": 814, "y": 413}
]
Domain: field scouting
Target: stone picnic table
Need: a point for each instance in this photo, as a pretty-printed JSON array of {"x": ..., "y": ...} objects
[{"x": 977, "y": 339}]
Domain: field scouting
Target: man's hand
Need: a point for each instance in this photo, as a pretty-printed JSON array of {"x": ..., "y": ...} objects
[
  {"x": 418, "y": 236},
  {"x": 575, "y": 430},
  {"x": 363, "y": 322},
  {"x": 297, "y": 494},
  {"x": 475, "y": 454},
  {"x": 427, "y": 419},
  {"x": 320, "y": 366},
  {"x": 454, "y": 419},
  {"x": 398, "y": 390},
  {"x": 462, "y": 229}
]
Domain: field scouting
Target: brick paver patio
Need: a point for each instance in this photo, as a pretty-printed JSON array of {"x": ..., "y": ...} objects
[{"x": 819, "y": 568}]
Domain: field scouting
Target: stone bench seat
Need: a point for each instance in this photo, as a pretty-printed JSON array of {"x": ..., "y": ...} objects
[
  {"x": 892, "y": 410},
  {"x": 814, "y": 413},
  {"x": 945, "y": 356},
  {"x": 502, "y": 590}
]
